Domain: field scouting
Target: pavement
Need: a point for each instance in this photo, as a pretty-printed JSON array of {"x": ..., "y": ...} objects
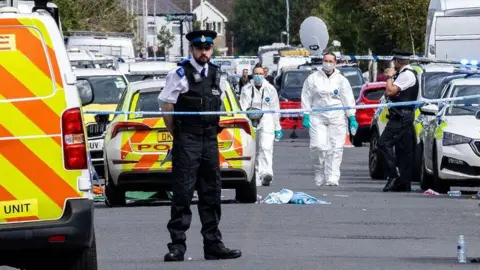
[{"x": 362, "y": 228}]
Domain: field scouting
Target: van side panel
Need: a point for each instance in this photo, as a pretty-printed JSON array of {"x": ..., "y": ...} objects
[{"x": 34, "y": 185}]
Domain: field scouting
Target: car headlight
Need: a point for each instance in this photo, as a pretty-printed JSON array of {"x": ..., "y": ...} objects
[{"x": 453, "y": 139}]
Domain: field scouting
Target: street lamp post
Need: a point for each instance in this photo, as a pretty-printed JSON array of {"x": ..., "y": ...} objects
[{"x": 288, "y": 22}]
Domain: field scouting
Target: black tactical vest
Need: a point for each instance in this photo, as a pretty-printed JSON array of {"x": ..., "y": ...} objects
[
  {"x": 409, "y": 94},
  {"x": 202, "y": 96}
]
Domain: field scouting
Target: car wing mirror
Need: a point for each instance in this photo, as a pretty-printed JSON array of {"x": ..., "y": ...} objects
[
  {"x": 85, "y": 90},
  {"x": 430, "y": 109}
]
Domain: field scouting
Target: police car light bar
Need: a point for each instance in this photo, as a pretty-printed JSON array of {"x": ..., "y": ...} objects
[
  {"x": 149, "y": 72},
  {"x": 415, "y": 58},
  {"x": 150, "y": 59},
  {"x": 102, "y": 34}
]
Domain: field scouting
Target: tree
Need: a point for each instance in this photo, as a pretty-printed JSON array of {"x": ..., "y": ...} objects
[
  {"x": 99, "y": 15},
  {"x": 216, "y": 52},
  {"x": 165, "y": 38}
]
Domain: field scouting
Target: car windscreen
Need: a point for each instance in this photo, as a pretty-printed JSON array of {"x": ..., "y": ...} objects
[
  {"x": 468, "y": 106},
  {"x": 107, "y": 89},
  {"x": 353, "y": 76},
  {"x": 432, "y": 83},
  {"x": 294, "y": 79},
  {"x": 149, "y": 102},
  {"x": 374, "y": 94}
]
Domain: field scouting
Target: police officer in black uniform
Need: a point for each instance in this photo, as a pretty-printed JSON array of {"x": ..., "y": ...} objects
[
  {"x": 194, "y": 87},
  {"x": 402, "y": 86}
]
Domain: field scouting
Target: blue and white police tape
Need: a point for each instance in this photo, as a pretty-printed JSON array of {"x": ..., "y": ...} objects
[{"x": 296, "y": 111}]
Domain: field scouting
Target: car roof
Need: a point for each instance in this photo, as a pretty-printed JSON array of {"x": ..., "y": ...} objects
[
  {"x": 466, "y": 81},
  {"x": 372, "y": 85},
  {"x": 147, "y": 84},
  {"x": 92, "y": 72},
  {"x": 438, "y": 68}
]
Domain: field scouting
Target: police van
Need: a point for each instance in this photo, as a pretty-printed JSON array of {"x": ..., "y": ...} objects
[{"x": 46, "y": 200}]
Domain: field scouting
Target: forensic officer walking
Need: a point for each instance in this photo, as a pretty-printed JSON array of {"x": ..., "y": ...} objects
[
  {"x": 194, "y": 87},
  {"x": 402, "y": 86}
]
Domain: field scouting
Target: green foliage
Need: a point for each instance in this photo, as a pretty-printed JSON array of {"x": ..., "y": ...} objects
[
  {"x": 98, "y": 15},
  {"x": 216, "y": 52},
  {"x": 196, "y": 25},
  {"x": 359, "y": 25},
  {"x": 165, "y": 38}
]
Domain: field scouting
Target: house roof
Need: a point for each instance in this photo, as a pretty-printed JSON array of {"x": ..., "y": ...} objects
[
  {"x": 159, "y": 6},
  {"x": 224, "y": 6}
]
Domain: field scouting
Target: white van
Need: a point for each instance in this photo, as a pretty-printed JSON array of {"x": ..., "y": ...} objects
[
  {"x": 452, "y": 30},
  {"x": 114, "y": 44}
]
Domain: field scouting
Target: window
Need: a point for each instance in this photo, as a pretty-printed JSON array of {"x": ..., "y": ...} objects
[
  {"x": 107, "y": 89},
  {"x": 151, "y": 30},
  {"x": 219, "y": 27}
]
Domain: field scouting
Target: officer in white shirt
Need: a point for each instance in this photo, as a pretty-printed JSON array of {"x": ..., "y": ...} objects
[
  {"x": 402, "y": 86},
  {"x": 195, "y": 87}
]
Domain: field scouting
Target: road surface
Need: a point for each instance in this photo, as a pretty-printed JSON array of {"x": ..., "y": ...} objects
[{"x": 362, "y": 228}]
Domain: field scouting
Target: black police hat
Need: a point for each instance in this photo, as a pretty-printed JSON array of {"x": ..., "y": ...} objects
[
  {"x": 399, "y": 54},
  {"x": 201, "y": 36}
]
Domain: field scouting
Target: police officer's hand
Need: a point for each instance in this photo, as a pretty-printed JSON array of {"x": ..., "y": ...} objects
[{"x": 390, "y": 71}]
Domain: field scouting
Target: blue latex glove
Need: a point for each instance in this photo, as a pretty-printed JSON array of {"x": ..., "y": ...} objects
[
  {"x": 278, "y": 134},
  {"x": 353, "y": 123},
  {"x": 306, "y": 120}
]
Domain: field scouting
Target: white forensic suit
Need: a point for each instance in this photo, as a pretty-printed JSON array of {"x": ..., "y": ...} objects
[
  {"x": 328, "y": 129},
  {"x": 265, "y": 98}
]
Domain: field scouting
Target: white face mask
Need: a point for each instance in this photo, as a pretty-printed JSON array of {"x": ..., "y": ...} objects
[{"x": 328, "y": 67}]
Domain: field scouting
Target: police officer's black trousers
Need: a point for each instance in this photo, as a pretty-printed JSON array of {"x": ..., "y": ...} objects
[
  {"x": 398, "y": 133},
  {"x": 195, "y": 164}
]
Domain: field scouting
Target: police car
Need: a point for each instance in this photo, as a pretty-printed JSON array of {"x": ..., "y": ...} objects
[
  {"x": 431, "y": 79},
  {"x": 137, "y": 146},
  {"x": 108, "y": 86},
  {"x": 451, "y": 138}
]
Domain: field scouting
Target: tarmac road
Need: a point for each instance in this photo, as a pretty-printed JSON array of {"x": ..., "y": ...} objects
[{"x": 362, "y": 228}]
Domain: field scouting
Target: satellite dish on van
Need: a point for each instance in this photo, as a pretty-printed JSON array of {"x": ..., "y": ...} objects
[{"x": 314, "y": 35}]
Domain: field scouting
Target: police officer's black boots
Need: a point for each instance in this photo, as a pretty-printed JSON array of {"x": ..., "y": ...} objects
[
  {"x": 395, "y": 185},
  {"x": 220, "y": 252},
  {"x": 174, "y": 256}
]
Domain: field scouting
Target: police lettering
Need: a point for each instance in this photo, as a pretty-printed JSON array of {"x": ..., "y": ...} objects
[
  {"x": 157, "y": 147},
  {"x": 18, "y": 208}
]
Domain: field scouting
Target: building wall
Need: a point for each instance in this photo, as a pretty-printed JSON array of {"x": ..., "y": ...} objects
[
  {"x": 212, "y": 21},
  {"x": 174, "y": 27}
]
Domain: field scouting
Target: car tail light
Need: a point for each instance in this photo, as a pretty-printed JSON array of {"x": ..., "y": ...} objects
[
  {"x": 237, "y": 123},
  {"x": 74, "y": 147},
  {"x": 125, "y": 126}
]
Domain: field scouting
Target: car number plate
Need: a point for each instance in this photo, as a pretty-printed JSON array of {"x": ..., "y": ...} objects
[
  {"x": 164, "y": 137},
  {"x": 95, "y": 145}
]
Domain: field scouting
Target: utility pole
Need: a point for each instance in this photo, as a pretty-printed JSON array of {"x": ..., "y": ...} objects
[{"x": 288, "y": 23}]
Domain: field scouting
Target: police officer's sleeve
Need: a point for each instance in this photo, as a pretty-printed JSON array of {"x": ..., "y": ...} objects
[
  {"x": 346, "y": 95},
  {"x": 275, "y": 105},
  {"x": 306, "y": 97},
  {"x": 405, "y": 80},
  {"x": 246, "y": 97},
  {"x": 176, "y": 84}
]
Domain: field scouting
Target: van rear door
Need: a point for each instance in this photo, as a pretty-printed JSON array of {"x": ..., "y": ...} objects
[{"x": 34, "y": 183}]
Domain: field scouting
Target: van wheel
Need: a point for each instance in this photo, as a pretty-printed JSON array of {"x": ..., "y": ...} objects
[
  {"x": 375, "y": 165},
  {"x": 85, "y": 259},
  {"x": 74, "y": 259},
  {"x": 439, "y": 184},
  {"x": 247, "y": 192},
  {"x": 114, "y": 195}
]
